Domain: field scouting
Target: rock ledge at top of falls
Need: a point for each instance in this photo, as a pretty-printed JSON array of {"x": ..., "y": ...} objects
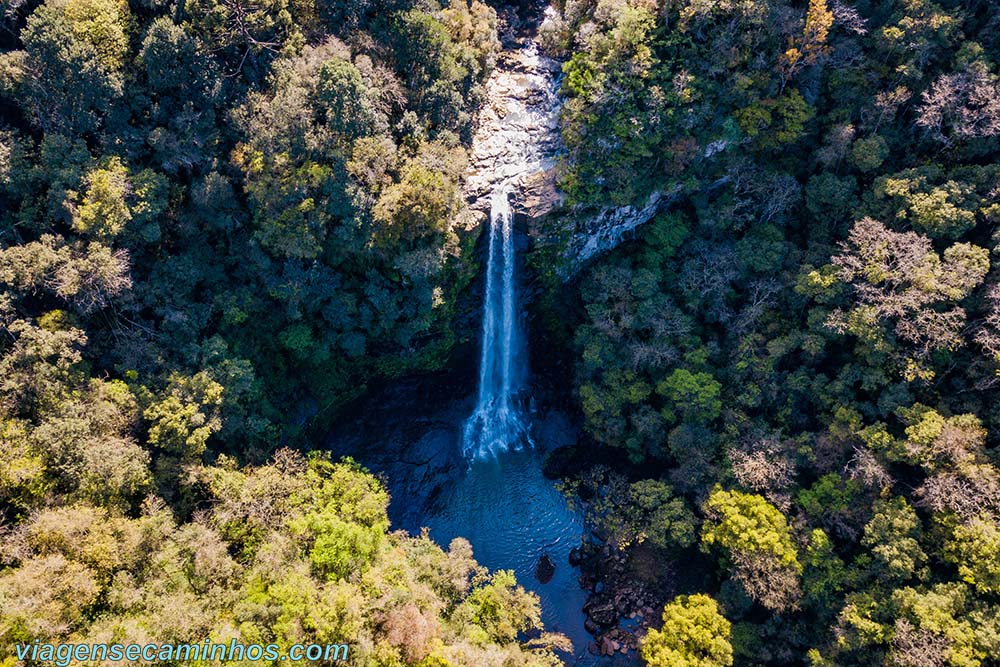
[{"x": 517, "y": 135}]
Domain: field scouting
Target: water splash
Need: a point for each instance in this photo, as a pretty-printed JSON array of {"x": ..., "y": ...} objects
[{"x": 496, "y": 424}]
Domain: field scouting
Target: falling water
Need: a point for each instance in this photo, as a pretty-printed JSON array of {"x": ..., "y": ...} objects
[{"x": 496, "y": 425}]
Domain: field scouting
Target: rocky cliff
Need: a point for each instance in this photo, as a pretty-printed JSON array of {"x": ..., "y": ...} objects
[{"x": 517, "y": 137}]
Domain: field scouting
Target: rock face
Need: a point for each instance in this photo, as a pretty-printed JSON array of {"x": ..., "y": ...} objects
[
  {"x": 594, "y": 233},
  {"x": 517, "y": 137},
  {"x": 406, "y": 432}
]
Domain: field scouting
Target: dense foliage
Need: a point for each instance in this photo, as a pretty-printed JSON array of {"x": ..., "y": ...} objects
[
  {"x": 803, "y": 344},
  {"x": 222, "y": 220},
  {"x": 292, "y": 552},
  {"x": 265, "y": 196}
]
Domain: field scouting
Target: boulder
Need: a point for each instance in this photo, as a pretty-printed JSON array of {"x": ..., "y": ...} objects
[
  {"x": 545, "y": 569},
  {"x": 602, "y": 613},
  {"x": 575, "y": 557}
]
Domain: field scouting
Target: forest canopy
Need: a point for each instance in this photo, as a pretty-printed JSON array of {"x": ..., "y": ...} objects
[
  {"x": 223, "y": 221},
  {"x": 800, "y": 348},
  {"x": 209, "y": 212}
]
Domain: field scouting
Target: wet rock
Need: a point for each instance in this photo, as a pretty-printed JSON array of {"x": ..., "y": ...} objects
[
  {"x": 517, "y": 138},
  {"x": 602, "y": 613},
  {"x": 575, "y": 557},
  {"x": 419, "y": 457},
  {"x": 590, "y": 626},
  {"x": 545, "y": 569}
]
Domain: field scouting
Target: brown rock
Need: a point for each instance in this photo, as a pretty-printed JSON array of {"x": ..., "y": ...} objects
[{"x": 539, "y": 194}]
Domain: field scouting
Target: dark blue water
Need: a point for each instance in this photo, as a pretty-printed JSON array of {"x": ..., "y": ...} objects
[{"x": 513, "y": 516}]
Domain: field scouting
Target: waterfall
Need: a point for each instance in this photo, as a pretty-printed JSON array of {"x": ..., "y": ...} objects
[
  {"x": 496, "y": 425},
  {"x": 515, "y": 146}
]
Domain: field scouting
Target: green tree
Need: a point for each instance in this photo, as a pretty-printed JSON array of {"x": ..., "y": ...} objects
[
  {"x": 694, "y": 634},
  {"x": 758, "y": 543},
  {"x": 869, "y": 153},
  {"x": 346, "y": 101},
  {"x": 690, "y": 396},
  {"x": 185, "y": 89},
  {"x": 185, "y": 416},
  {"x": 112, "y": 198},
  {"x": 893, "y": 536},
  {"x": 974, "y": 548},
  {"x": 72, "y": 73}
]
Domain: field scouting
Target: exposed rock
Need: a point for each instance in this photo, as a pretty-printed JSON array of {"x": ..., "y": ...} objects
[
  {"x": 545, "y": 569},
  {"x": 575, "y": 557},
  {"x": 420, "y": 457},
  {"x": 517, "y": 134},
  {"x": 539, "y": 194},
  {"x": 601, "y": 612},
  {"x": 517, "y": 142},
  {"x": 716, "y": 147},
  {"x": 598, "y": 232}
]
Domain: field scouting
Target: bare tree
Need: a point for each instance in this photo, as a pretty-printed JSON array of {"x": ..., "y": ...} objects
[
  {"x": 897, "y": 277},
  {"x": 987, "y": 333},
  {"x": 848, "y": 18},
  {"x": 763, "y": 464},
  {"x": 767, "y": 581},
  {"x": 918, "y": 647},
  {"x": 971, "y": 490},
  {"x": 962, "y": 106},
  {"x": 866, "y": 468}
]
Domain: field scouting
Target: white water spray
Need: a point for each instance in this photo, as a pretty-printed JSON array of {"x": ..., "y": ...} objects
[{"x": 496, "y": 425}]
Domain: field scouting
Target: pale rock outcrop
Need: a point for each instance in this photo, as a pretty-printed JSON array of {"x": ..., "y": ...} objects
[
  {"x": 594, "y": 233},
  {"x": 517, "y": 137}
]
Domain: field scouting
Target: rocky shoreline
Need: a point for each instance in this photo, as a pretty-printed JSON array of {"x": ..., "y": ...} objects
[{"x": 620, "y": 608}]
